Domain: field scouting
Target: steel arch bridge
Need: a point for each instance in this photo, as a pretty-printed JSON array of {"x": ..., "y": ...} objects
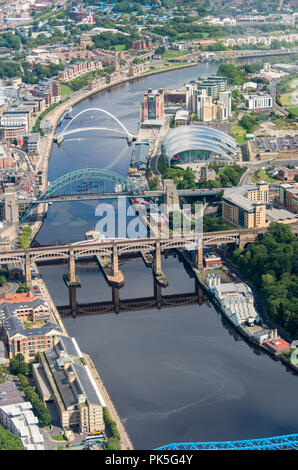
[
  {"x": 83, "y": 182},
  {"x": 286, "y": 442}
]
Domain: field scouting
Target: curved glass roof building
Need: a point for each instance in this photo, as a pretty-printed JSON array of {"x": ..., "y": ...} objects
[{"x": 197, "y": 144}]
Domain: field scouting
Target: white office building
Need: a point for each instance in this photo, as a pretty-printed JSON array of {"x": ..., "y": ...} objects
[{"x": 259, "y": 101}]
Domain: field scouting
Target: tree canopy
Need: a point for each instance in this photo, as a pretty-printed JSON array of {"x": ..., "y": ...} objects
[
  {"x": 8, "y": 441},
  {"x": 272, "y": 265}
]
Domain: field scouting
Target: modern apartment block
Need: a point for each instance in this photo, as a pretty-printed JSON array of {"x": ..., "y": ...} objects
[
  {"x": 63, "y": 377},
  {"x": 245, "y": 206},
  {"x": 213, "y": 85},
  {"x": 209, "y": 100}
]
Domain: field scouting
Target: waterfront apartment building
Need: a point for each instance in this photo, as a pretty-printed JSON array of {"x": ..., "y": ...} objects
[
  {"x": 47, "y": 89},
  {"x": 245, "y": 206},
  {"x": 64, "y": 377},
  {"x": 153, "y": 105},
  {"x": 258, "y": 101},
  {"x": 78, "y": 69},
  {"x": 26, "y": 324}
]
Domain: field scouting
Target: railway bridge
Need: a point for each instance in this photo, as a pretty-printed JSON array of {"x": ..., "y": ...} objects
[{"x": 114, "y": 248}]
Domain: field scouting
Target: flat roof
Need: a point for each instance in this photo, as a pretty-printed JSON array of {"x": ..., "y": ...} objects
[
  {"x": 280, "y": 214},
  {"x": 9, "y": 394}
]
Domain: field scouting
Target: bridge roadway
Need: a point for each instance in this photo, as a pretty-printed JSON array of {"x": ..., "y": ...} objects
[{"x": 88, "y": 197}]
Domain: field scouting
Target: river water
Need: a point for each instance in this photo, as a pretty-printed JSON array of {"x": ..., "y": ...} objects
[{"x": 176, "y": 374}]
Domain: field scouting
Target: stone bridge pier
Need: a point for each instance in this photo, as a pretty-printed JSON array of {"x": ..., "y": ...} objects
[
  {"x": 157, "y": 270},
  {"x": 72, "y": 279},
  {"x": 247, "y": 238},
  {"x": 28, "y": 275}
]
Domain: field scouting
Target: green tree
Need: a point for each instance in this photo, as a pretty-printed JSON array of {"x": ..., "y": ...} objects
[
  {"x": 8, "y": 441},
  {"x": 23, "y": 288}
]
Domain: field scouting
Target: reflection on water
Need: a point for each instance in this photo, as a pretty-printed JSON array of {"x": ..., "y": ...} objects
[{"x": 177, "y": 374}]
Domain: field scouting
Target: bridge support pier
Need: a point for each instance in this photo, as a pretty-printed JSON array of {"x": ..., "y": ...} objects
[
  {"x": 116, "y": 299},
  {"x": 72, "y": 290},
  {"x": 199, "y": 254},
  {"x": 158, "y": 274},
  {"x": 28, "y": 276},
  {"x": 247, "y": 238},
  {"x": 72, "y": 279},
  {"x": 157, "y": 258},
  {"x": 115, "y": 261},
  {"x": 157, "y": 293}
]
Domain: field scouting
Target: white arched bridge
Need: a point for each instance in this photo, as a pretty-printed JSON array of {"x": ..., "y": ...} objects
[{"x": 122, "y": 130}]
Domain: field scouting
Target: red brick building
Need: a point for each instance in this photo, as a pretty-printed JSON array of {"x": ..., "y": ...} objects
[
  {"x": 212, "y": 261},
  {"x": 277, "y": 346}
]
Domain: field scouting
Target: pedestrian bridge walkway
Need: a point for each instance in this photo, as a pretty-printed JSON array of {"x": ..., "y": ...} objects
[{"x": 286, "y": 442}]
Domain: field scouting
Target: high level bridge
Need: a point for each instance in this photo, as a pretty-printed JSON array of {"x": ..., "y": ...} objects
[{"x": 115, "y": 248}]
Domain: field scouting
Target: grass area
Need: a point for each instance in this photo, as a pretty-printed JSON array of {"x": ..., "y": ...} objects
[
  {"x": 119, "y": 47},
  {"x": 261, "y": 175},
  {"x": 170, "y": 54},
  {"x": 288, "y": 91},
  {"x": 65, "y": 90},
  {"x": 239, "y": 134},
  {"x": 285, "y": 99},
  {"x": 294, "y": 111},
  {"x": 59, "y": 437},
  {"x": 25, "y": 236}
]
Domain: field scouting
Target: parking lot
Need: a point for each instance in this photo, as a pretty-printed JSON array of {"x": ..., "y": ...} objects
[{"x": 275, "y": 144}]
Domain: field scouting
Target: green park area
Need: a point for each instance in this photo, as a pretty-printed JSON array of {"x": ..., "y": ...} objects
[
  {"x": 65, "y": 90},
  {"x": 239, "y": 133},
  {"x": 262, "y": 175},
  {"x": 25, "y": 236},
  {"x": 294, "y": 111},
  {"x": 172, "y": 54},
  {"x": 287, "y": 91}
]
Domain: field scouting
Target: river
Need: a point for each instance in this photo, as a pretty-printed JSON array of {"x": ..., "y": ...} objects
[{"x": 175, "y": 374}]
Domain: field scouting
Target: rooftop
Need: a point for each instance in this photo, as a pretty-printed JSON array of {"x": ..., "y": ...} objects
[{"x": 9, "y": 394}]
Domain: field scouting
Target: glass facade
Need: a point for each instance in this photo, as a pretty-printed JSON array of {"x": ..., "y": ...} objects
[{"x": 191, "y": 156}]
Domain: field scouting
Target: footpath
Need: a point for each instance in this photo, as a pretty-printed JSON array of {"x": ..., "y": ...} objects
[{"x": 125, "y": 441}]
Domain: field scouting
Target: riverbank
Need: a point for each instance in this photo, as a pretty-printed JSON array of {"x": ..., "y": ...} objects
[
  {"x": 241, "y": 330},
  {"x": 125, "y": 441},
  {"x": 260, "y": 306}
]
